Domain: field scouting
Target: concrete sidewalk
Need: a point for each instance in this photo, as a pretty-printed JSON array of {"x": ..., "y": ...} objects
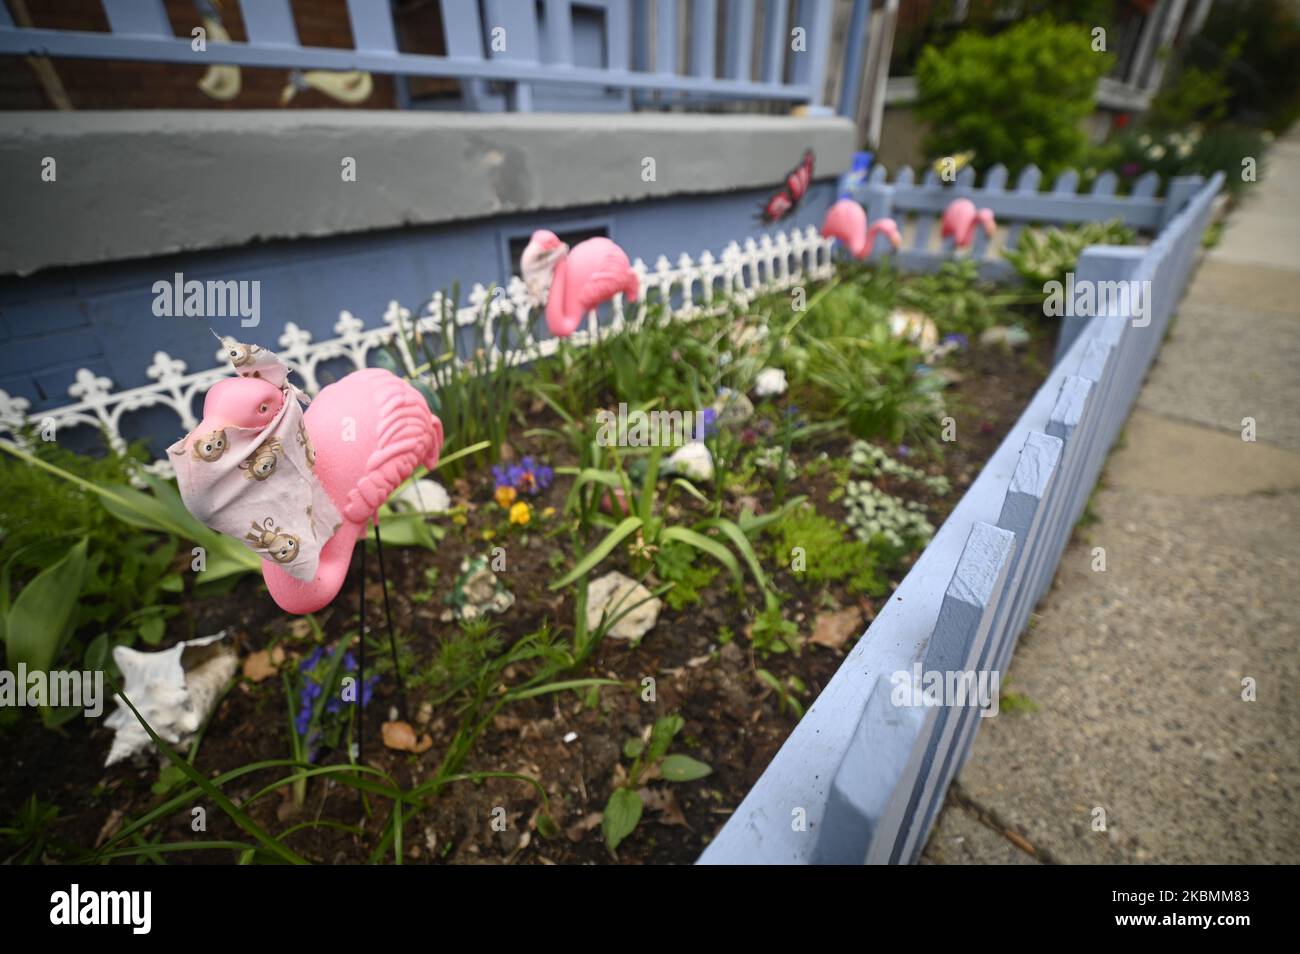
[{"x": 1131, "y": 680}]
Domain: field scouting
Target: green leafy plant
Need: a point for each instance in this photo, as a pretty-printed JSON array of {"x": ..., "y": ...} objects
[
  {"x": 771, "y": 632},
  {"x": 872, "y": 384},
  {"x": 1251, "y": 47},
  {"x": 818, "y": 552},
  {"x": 788, "y": 691},
  {"x": 85, "y": 585},
  {"x": 957, "y": 299},
  {"x": 463, "y": 377},
  {"x": 677, "y": 563},
  {"x": 1184, "y": 152},
  {"x": 1016, "y": 98},
  {"x": 624, "y": 807},
  {"x": 28, "y": 834},
  {"x": 1045, "y": 255},
  {"x": 647, "y": 530}
]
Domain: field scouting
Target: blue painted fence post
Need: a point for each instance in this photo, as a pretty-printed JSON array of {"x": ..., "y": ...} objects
[{"x": 1097, "y": 264}]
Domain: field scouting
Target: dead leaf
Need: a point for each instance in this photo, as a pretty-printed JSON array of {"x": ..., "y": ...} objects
[
  {"x": 263, "y": 664},
  {"x": 300, "y": 628},
  {"x": 111, "y": 826},
  {"x": 400, "y": 736},
  {"x": 579, "y": 828},
  {"x": 833, "y": 630},
  {"x": 664, "y": 803}
]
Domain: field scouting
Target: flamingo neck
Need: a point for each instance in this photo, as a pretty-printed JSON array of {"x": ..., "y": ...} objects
[{"x": 309, "y": 596}]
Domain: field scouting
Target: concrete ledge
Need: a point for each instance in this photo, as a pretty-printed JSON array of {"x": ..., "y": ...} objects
[{"x": 136, "y": 184}]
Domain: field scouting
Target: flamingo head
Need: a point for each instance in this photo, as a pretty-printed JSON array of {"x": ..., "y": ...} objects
[
  {"x": 235, "y": 403},
  {"x": 542, "y": 255},
  {"x": 889, "y": 229},
  {"x": 986, "y": 221}
]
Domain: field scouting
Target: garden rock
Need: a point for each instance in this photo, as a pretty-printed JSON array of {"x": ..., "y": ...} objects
[
  {"x": 691, "y": 460},
  {"x": 174, "y": 690},
  {"x": 733, "y": 408},
  {"x": 1004, "y": 336},
  {"x": 614, "y": 592}
]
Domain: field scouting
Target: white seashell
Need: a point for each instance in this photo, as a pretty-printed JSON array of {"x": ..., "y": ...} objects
[
  {"x": 770, "y": 382},
  {"x": 423, "y": 496},
  {"x": 172, "y": 698}
]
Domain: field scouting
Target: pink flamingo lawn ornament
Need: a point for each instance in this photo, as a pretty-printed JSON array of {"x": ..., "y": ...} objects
[
  {"x": 574, "y": 281},
  {"x": 959, "y": 221},
  {"x": 309, "y": 481},
  {"x": 846, "y": 220},
  {"x": 362, "y": 437}
]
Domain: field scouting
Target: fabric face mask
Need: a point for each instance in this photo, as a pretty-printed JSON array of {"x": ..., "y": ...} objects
[{"x": 257, "y": 483}]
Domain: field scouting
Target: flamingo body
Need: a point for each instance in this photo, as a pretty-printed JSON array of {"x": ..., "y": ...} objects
[
  {"x": 960, "y": 220},
  {"x": 846, "y": 220},
  {"x": 575, "y": 281}
]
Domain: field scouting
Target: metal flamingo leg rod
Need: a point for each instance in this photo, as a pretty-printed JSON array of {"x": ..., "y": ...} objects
[{"x": 388, "y": 616}]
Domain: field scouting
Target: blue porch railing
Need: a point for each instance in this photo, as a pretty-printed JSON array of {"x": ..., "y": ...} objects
[{"x": 522, "y": 45}]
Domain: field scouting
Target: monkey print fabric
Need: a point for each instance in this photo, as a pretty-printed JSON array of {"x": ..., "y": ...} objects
[{"x": 258, "y": 485}]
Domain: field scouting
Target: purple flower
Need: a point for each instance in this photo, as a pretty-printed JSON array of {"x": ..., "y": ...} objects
[
  {"x": 310, "y": 662},
  {"x": 960, "y": 340},
  {"x": 904, "y": 450},
  {"x": 1129, "y": 169},
  {"x": 708, "y": 423},
  {"x": 526, "y": 476}
]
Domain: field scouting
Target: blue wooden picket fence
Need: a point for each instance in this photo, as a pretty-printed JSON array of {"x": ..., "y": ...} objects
[
  {"x": 861, "y": 779},
  {"x": 633, "y": 45},
  {"x": 918, "y": 206}
]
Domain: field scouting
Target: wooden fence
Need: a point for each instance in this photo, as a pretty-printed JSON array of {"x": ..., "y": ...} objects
[
  {"x": 918, "y": 206},
  {"x": 862, "y": 779},
  {"x": 503, "y": 51}
]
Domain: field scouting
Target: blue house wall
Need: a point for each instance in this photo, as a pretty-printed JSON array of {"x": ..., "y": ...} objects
[{"x": 101, "y": 317}]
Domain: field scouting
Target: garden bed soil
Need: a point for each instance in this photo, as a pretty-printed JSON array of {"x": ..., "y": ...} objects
[{"x": 733, "y": 721}]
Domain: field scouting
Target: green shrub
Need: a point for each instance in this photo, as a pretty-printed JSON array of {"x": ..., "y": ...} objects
[
  {"x": 871, "y": 383},
  {"x": 1016, "y": 98},
  {"x": 1252, "y": 47},
  {"x": 956, "y": 299},
  {"x": 1183, "y": 153}
]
